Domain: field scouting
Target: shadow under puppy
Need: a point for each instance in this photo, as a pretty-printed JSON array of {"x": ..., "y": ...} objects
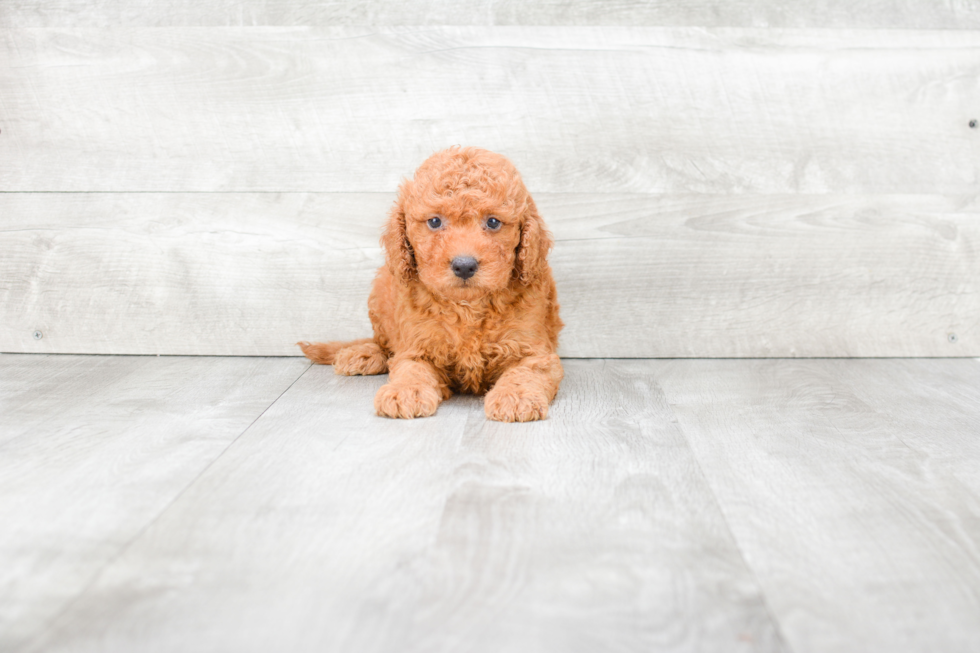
[{"x": 465, "y": 301}]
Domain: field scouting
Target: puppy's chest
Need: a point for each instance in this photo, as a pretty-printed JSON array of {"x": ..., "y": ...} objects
[{"x": 473, "y": 353}]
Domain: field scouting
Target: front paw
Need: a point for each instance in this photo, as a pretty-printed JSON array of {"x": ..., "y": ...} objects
[
  {"x": 511, "y": 405},
  {"x": 406, "y": 401}
]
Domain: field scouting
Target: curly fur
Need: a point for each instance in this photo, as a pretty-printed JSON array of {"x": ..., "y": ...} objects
[{"x": 435, "y": 333}]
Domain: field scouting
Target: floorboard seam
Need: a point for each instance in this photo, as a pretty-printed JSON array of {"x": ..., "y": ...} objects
[
  {"x": 738, "y": 547},
  {"x": 52, "y": 622}
]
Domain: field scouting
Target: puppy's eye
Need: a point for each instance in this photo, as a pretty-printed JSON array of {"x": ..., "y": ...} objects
[
  {"x": 493, "y": 223},
  {"x": 434, "y": 223}
]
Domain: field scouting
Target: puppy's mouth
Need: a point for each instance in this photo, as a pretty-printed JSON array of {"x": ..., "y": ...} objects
[
  {"x": 464, "y": 289},
  {"x": 466, "y": 285}
]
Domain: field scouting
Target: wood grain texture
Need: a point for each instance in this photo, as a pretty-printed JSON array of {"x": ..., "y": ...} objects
[
  {"x": 771, "y": 276},
  {"x": 638, "y": 275},
  {"x": 860, "y": 538},
  {"x": 915, "y": 14},
  {"x": 324, "y": 528},
  {"x": 935, "y": 407},
  {"x": 93, "y": 449},
  {"x": 579, "y": 109},
  {"x": 185, "y": 273}
]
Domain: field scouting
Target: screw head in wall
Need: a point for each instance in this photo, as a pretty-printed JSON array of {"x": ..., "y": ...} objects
[
  {"x": 973, "y": 124},
  {"x": 38, "y": 335},
  {"x": 952, "y": 338}
]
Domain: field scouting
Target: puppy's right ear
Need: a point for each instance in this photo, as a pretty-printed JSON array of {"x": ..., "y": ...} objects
[{"x": 399, "y": 255}]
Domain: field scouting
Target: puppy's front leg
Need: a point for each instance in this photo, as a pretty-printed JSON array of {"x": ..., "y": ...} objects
[
  {"x": 414, "y": 389},
  {"x": 523, "y": 392}
]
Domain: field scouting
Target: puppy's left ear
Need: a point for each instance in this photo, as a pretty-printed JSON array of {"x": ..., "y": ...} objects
[{"x": 532, "y": 251}]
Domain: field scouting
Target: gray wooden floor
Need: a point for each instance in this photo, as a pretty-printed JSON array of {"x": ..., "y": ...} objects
[{"x": 256, "y": 504}]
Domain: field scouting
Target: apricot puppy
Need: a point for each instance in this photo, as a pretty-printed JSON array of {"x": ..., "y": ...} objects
[{"x": 465, "y": 301}]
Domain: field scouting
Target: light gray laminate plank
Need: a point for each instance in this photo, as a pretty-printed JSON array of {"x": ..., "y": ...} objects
[
  {"x": 580, "y": 109},
  {"x": 934, "y": 407},
  {"x": 324, "y": 528},
  {"x": 92, "y": 449},
  {"x": 945, "y": 14},
  {"x": 859, "y": 540},
  {"x": 165, "y": 273},
  {"x": 637, "y": 274},
  {"x": 789, "y": 276}
]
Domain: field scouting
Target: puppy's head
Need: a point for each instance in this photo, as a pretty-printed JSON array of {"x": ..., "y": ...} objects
[{"x": 465, "y": 226}]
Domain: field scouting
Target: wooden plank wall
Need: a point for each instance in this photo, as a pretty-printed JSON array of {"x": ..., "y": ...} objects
[
  {"x": 877, "y": 14},
  {"x": 737, "y": 179}
]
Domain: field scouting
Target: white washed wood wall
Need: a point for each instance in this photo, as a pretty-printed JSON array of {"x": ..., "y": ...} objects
[{"x": 753, "y": 178}]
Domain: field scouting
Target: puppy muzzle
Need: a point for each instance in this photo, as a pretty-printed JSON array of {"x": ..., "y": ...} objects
[{"x": 464, "y": 267}]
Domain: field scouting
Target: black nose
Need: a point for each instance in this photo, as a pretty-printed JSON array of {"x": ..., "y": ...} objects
[{"x": 465, "y": 267}]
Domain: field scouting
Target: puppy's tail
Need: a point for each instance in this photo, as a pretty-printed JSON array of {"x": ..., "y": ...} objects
[{"x": 324, "y": 352}]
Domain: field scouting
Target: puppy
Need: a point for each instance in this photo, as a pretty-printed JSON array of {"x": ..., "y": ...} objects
[{"x": 465, "y": 301}]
